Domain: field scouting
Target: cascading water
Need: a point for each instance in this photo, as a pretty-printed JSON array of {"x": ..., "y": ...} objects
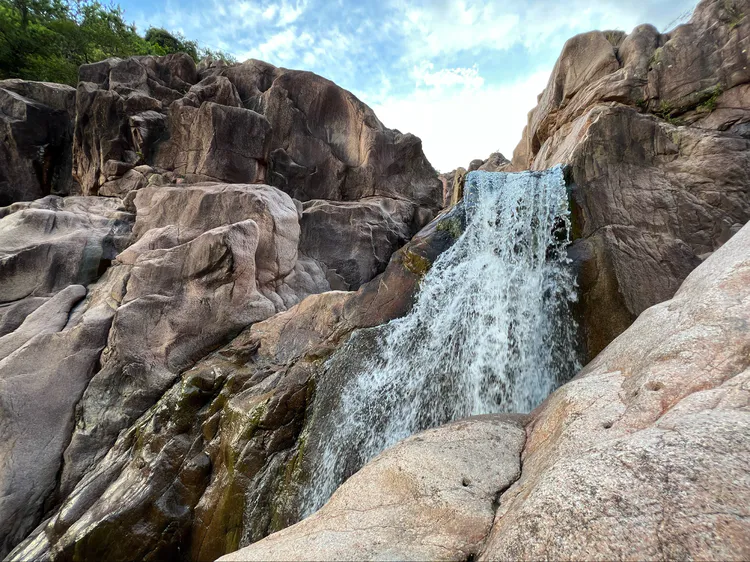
[{"x": 490, "y": 331}]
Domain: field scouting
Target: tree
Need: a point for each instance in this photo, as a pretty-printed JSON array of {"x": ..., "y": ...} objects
[
  {"x": 49, "y": 39},
  {"x": 171, "y": 43}
]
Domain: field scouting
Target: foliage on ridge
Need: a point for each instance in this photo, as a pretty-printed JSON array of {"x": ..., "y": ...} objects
[{"x": 48, "y": 40}]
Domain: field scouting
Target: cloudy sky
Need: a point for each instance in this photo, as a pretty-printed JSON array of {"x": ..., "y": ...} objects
[{"x": 460, "y": 74}]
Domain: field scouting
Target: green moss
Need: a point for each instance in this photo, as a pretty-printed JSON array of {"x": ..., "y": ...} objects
[
  {"x": 709, "y": 103},
  {"x": 734, "y": 15},
  {"x": 415, "y": 263},
  {"x": 614, "y": 36},
  {"x": 287, "y": 486},
  {"x": 452, "y": 226},
  {"x": 655, "y": 57}
]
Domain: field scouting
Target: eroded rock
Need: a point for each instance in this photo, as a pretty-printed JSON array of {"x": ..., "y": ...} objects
[
  {"x": 36, "y": 132},
  {"x": 644, "y": 454},
  {"x": 431, "y": 497},
  {"x": 54, "y": 242}
]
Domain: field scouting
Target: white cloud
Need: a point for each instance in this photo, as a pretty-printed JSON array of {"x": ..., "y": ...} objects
[
  {"x": 281, "y": 47},
  {"x": 289, "y": 14},
  {"x": 455, "y": 26},
  {"x": 270, "y": 12},
  {"x": 447, "y": 77},
  {"x": 459, "y": 125}
]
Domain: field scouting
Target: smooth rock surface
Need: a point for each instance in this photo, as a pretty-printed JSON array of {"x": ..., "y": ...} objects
[
  {"x": 208, "y": 261},
  {"x": 41, "y": 380},
  {"x": 217, "y": 462},
  {"x": 356, "y": 239},
  {"x": 54, "y": 242},
  {"x": 644, "y": 454},
  {"x": 431, "y": 497}
]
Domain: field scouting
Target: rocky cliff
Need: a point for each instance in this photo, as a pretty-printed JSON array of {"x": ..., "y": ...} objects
[
  {"x": 195, "y": 242},
  {"x": 113, "y": 303}
]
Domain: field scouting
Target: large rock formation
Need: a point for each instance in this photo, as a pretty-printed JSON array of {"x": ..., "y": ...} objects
[
  {"x": 431, "y": 497},
  {"x": 643, "y": 455},
  {"x": 177, "y": 247},
  {"x": 164, "y": 340},
  {"x": 156, "y": 120},
  {"x": 216, "y": 463},
  {"x": 654, "y": 128},
  {"x": 36, "y": 131},
  {"x": 54, "y": 242}
]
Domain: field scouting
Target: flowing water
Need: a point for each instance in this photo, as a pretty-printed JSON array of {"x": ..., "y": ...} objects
[{"x": 490, "y": 332}]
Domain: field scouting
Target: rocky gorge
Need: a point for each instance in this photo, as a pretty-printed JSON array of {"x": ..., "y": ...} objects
[{"x": 196, "y": 261}]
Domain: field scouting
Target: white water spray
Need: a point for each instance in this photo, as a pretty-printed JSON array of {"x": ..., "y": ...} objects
[{"x": 490, "y": 332}]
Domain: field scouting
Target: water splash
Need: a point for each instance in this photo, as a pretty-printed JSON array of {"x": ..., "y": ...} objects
[{"x": 490, "y": 332}]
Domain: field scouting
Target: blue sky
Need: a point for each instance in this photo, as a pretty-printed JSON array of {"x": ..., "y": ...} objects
[{"x": 459, "y": 74}]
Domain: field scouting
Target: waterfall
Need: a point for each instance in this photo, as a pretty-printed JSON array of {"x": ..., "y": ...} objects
[{"x": 490, "y": 331}]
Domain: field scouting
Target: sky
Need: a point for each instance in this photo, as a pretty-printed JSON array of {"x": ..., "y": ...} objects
[{"x": 459, "y": 74}]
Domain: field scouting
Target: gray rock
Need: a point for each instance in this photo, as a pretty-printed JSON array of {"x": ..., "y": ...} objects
[
  {"x": 431, "y": 497},
  {"x": 36, "y": 131},
  {"x": 656, "y": 186},
  {"x": 55, "y": 242},
  {"x": 208, "y": 260},
  {"x": 217, "y": 461},
  {"x": 356, "y": 239},
  {"x": 40, "y": 383}
]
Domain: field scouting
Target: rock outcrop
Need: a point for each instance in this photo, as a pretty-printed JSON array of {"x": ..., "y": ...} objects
[
  {"x": 49, "y": 244},
  {"x": 36, "y": 133},
  {"x": 159, "y": 120},
  {"x": 642, "y": 456},
  {"x": 431, "y": 497},
  {"x": 247, "y": 123},
  {"x": 177, "y": 247},
  {"x": 171, "y": 342},
  {"x": 654, "y": 129},
  {"x": 453, "y": 182},
  {"x": 217, "y": 460}
]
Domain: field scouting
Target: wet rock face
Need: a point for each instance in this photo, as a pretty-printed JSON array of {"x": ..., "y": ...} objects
[
  {"x": 36, "y": 131},
  {"x": 644, "y": 454},
  {"x": 439, "y": 485},
  {"x": 654, "y": 128}
]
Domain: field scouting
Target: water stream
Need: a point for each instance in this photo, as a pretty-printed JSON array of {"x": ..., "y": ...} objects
[{"x": 491, "y": 330}]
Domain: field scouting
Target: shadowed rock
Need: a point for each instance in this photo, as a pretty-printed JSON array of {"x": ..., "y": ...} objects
[
  {"x": 36, "y": 131},
  {"x": 217, "y": 461}
]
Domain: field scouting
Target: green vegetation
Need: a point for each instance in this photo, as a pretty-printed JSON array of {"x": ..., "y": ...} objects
[
  {"x": 734, "y": 14},
  {"x": 415, "y": 263},
  {"x": 666, "y": 111},
  {"x": 709, "y": 104},
  {"x": 452, "y": 226},
  {"x": 49, "y": 39}
]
